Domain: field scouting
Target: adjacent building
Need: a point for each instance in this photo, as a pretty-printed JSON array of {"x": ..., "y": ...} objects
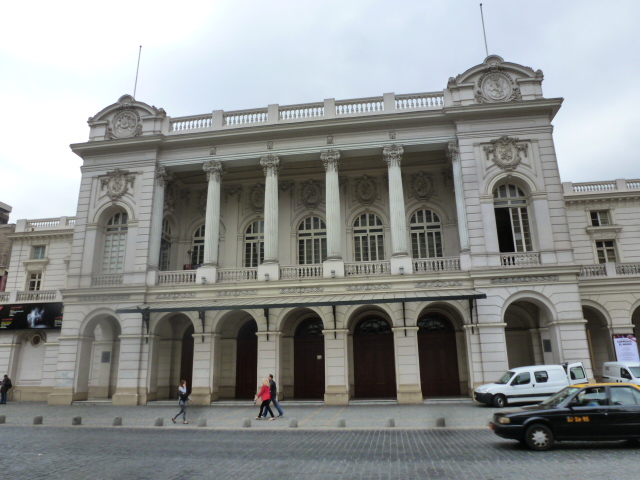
[{"x": 401, "y": 246}]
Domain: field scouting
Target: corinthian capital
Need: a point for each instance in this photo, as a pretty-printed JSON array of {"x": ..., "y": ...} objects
[
  {"x": 392, "y": 154},
  {"x": 453, "y": 150},
  {"x": 214, "y": 168},
  {"x": 331, "y": 160},
  {"x": 162, "y": 176},
  {"x": 270, "y": 165}
]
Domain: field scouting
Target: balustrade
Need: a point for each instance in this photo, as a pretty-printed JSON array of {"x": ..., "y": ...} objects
[
  {"x": 36, "y": 296},
  {"x": 295, "y": 112},
  {"x": 301, "y": 271},
  {"x": 245, "y": 117},
  {"x": 106, "y": 280},
  {"x": 593, "y": 271},
  {"x": 176, "y": 277},
  {"x": 519, "y": 259},
  {"x": 191, "y": 123},
  {"x": 367, "y": 268},
  {"x": 419, "y": 100},
  {"x": 594, "y": 187},
  {"x": 359, "y": 106},
  {"x": 4, "y": 297},
  {"x": 233, "y": 275},
  {"x": 628, "y": 268},
  {"x": 436, "y": 265}
]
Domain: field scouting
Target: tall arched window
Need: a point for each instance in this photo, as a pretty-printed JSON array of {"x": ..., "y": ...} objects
[
  {"x": 114, "y": 244},
  {"x": 254, "y": 244},
  {"x": 312, "y": 241},
  {"x": 368, "y": 238},
  {"x": 512, "y": 218},
  {"x": 197, "y": 247},
  {"x": 426, "y": 234},
  {"x": 165, "y": 245}
]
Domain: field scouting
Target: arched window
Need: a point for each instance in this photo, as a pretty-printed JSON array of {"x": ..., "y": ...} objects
[
  {"x": 512, "y": 218},
  {"x": 197, "y": 247},
  {"x": 114, "y": 244},
  {"x": 254, "y": 244},
  {"x": 312, "y": 241},
  {"x": 368, "y": 238},
  {"x": 373, "y": 325},
  {"x": 165, "y": 245},
  {"x": 311, "y": 327},
  {"x": 434, "y": 323},
  {"x": 426, "y": 234}
]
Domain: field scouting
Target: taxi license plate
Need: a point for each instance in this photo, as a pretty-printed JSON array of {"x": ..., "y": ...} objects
[{"x": 579, "y": 419}]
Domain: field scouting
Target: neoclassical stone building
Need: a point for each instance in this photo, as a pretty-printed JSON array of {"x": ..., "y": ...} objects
[{"x": 402, "y": 246}]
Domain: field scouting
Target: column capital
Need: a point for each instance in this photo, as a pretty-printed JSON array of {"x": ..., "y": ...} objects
[
  {"x": 331, "y": 159},
  {"x": 214, "y": 168},
  {"x": 162, "y": 176},
  {"x": 270, "y": 165},
  {"x": 453, "y": 150},
  {"x": 392, "y": 154}
]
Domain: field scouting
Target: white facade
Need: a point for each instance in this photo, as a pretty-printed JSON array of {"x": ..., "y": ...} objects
[{"x": 399, "y": 246}]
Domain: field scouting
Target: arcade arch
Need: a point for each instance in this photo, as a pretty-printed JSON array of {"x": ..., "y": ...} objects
[{"x": 599, "y": 338}]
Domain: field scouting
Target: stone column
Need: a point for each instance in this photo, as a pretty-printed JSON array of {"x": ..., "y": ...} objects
[
  {"x": 157, "y": 211},
  {"x": 205, "y": 366},
  {"x": 400, "y": 258},
  {"x": 407, "y": 365},
  {"x": 270, "y": 269},
  {"x": 453, "y": 152},
  {"x": 336, "y": 366},
  {"x": 334, "y": 265},
  {"x": 208, "y": 272}
]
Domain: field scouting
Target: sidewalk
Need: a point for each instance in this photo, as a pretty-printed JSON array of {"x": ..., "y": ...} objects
[{"x": 231, "y": 415}]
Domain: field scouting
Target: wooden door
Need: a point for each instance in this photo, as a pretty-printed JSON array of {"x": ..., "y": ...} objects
[
  {"x": 186, "y": 357},
  {"x": 374, "y": 368},
  {"x": 308, "y": 360},
  {"x": 438, "y": 356},
  {"x": 247, "y": 361}
]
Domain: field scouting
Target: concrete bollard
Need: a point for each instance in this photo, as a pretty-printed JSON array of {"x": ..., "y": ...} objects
[
  {"x": 440, "y": 422},
  {"x": 246, "y": 423},
  {"x": 37, "y": 420},
  {"x": 341, "y": 423},
  {"x": 202, "y": 422},
  {"x": 3, "y": 418},
  {"x": 76, "y": 421},
  {"x": 117, "y": 422},
  {"x": 390, "y": 423},
  {"x": 159, "y": 422},
  {"x": 293, "y": 423}
]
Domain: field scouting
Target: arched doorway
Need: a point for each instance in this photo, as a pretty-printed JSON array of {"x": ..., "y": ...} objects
[
  {"x": 438, "y": 353},
  {"x": 374, "y": 369},
  {"x": 247, "y": 360},
  {"x": 186, "y": 357},
  {"x": 308, "y": 359},
  {"x": 522, "y": 335}
]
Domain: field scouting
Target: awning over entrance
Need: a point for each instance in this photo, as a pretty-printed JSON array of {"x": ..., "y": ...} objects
[{"x": 286, "y": 301}]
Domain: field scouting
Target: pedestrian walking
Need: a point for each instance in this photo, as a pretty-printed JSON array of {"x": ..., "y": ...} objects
[
  {"x": 6, "y": 385},
  {"x": 274, "y": 396},
  {"x": 265, "y": 395},
  {"x": 183, "y": 400}
]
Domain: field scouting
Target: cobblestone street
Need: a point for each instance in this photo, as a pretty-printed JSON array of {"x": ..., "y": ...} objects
[{"x": 316, "y": 450}]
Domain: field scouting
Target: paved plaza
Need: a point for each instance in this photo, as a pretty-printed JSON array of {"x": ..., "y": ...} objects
[{"x": 317, "y": 449}]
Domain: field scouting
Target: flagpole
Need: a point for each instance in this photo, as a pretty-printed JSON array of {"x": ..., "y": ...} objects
[
  {"x": 138, "y": 69},
  {"x": 483, "y": 31}
]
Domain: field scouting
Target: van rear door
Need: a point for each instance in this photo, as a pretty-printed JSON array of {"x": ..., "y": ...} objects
[{"x": 576, "y": 373}]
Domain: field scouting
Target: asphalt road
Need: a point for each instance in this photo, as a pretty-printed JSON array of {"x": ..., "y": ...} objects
[{"x": 186, "y": 453}]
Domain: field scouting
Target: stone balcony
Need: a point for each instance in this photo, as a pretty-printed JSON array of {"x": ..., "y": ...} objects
[{"x": 609, "y": 270}]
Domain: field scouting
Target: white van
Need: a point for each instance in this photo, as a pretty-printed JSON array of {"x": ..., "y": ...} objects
[
  {"x": 530, "y": 384},
  {"x": 624, "y": 372}
]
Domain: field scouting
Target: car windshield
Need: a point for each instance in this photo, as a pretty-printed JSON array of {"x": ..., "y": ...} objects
[
  {"x": 635, "y": 371},
  {"x": 560, "y": 397},
  {"x": 505, "y": 378}
]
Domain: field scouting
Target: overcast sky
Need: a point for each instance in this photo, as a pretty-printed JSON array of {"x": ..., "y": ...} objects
[{"x": 62, "y": 62}]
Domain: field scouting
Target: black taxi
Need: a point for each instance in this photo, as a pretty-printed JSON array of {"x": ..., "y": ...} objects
[{"x": 596, "y": 411}]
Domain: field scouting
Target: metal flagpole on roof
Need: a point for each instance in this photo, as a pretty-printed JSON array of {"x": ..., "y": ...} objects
[
  {"x": 138, "y": 69},
  {"x": 483, "y": 31}
]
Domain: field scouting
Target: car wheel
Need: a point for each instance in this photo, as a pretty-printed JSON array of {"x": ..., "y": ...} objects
[
  {"x": 499, "y": 401},
  {"x": 539, "y": 437}
]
